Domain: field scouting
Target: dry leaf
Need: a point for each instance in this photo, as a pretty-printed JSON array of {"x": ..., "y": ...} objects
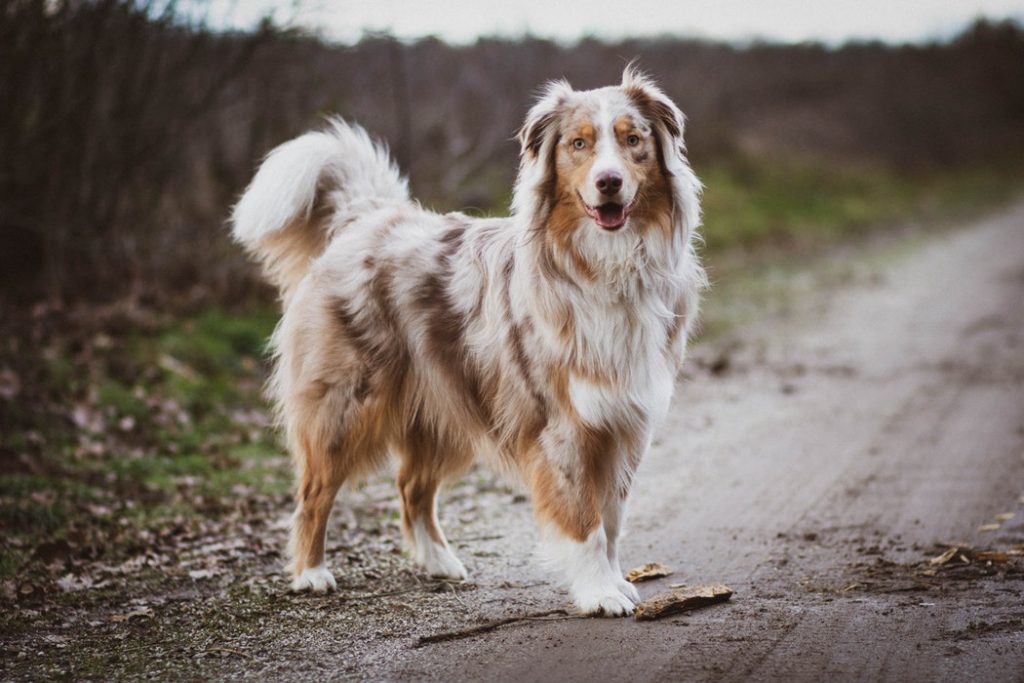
[
  {"x": 651, "y": 570},
  {"x": 176, "y": 367},
  {"x": 203, "y": 573},
  {"x": 1004, "y": 516},
  {"x": 140, "y": 613},
  {"x": 944, "y": 557},
  {"x": 70, "y": 583},
  {"x": 989, "y": 527}
]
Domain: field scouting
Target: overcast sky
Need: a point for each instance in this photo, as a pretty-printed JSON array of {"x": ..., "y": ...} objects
[{"x": 461, "y": 21}]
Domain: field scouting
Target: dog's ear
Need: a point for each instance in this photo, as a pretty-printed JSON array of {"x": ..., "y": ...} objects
[
  {"x": 668, "y": 123},
  {"x": 535, "y": 186},
  {"x": 540, "y": 125},
  {"x": 657, "y": 109}
]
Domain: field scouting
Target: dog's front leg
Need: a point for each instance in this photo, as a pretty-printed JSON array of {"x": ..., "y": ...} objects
[
  {"x": 614, "y": 519},
  {"x": 572, "y": 481},
  {"x": 594, "y": 586}
]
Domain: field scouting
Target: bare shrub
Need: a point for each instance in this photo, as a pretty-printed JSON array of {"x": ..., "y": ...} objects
[{"x": 128, "y": 130}]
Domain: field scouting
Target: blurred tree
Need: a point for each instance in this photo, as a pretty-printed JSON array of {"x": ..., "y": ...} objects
[
  {"x": 127, "y": 127},
  {"x": 99, "y": 98}
]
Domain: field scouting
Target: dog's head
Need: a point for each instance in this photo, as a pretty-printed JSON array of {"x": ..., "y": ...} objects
[{"x": 607, "y": 160}]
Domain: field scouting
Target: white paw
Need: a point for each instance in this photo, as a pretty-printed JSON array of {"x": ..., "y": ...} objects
[
  {"x": 604, "y": 600},
  {"x": 628, "y": 589},
  {"x": 440, "y": 562},
  {"x": 316, "y": 579}
]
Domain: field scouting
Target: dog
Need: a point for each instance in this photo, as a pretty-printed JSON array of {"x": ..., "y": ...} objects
[{"x": 546, "y": 343}]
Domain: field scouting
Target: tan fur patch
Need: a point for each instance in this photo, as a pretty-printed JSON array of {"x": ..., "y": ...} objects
[
  {"x": 623, "y": 126},
  {"x": 428, "y": 459},
  {"x": 573, "y": 500},
  {"x": 654, "y": 203},
  {"x": 571, "y": 171},
  {"x": 575, "y": 515}
]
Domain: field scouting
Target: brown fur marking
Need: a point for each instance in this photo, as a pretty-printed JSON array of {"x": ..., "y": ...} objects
[{"x": 446, "y": 342}]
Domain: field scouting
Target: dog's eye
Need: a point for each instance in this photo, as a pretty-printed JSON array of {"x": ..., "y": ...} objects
[
  {"x": 633, "y": 140},
  {"x": 579, "y": 143}
]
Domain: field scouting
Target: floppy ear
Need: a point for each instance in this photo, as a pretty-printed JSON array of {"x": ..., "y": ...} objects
[
  {"x": 668, "y": 123},
  {"x": 539, "y": 126},
  {"x": 538, "y": 139},
  {"x": 657, "y": 108}
]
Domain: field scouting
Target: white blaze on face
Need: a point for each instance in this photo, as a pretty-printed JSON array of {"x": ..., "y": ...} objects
[
  {"x": 610, "y": 188},
  {"x": 608, "y": 159}
]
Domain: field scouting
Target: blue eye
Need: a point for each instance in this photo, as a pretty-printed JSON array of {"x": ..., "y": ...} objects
[
  {"x": 579, "y": 143},
  {"x": 633, "y": 140}
]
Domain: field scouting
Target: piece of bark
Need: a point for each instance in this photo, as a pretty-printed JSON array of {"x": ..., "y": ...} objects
[
  {"x": 992, "y": 556},
  {"x": 664, "y": 604},
  {"x": 945, "y": 557},
  {"x": 651, "y": 570}
]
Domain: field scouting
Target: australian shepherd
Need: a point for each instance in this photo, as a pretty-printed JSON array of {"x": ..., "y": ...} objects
[{"x": 547, "y": 342}]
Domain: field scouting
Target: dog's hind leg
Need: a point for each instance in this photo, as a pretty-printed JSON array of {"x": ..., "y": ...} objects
[
  {"x": 318, "y": 488},
  {"x": 324, "y": 434},
  {"x": 425, "y": 465}
]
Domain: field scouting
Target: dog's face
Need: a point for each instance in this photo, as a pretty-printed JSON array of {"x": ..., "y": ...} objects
[
  {"x": 606, "y": 155},
  {"x": 603, "y": 159}
]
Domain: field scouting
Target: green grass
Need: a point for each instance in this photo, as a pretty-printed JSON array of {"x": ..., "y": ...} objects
[
  {"x": 168, "y": 422},
  {"x": 762, "y": 221},
  {"x": 749, "y": 204}
]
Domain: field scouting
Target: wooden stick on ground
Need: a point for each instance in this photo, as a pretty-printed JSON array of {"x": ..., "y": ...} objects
[
  {"x": 682, "y": 600},
  {"x": 491, "y": 626}
]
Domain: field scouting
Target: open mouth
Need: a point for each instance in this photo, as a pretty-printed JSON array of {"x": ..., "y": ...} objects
[{"x": 610, "y": 215}]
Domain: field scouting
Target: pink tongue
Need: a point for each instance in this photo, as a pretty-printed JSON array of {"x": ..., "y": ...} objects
[{"x": 609, "y": 215}]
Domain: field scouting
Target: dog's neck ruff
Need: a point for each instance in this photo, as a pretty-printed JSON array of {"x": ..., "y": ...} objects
[{"x": 618, "y": 267}]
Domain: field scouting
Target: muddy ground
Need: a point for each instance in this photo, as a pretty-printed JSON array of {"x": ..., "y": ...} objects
[{"x": 857, "y": 419}]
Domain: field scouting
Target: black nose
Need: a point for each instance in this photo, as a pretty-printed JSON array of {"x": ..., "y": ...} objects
[{"x": 609, "y": 183}]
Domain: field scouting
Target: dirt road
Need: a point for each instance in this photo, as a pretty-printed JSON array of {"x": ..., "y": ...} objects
[
  {"x": 815, "y": 458},
  {"x": 884, "y": 417}
]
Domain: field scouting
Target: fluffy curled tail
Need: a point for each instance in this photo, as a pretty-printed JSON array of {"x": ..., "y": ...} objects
[{"x": 304, "y": 188}]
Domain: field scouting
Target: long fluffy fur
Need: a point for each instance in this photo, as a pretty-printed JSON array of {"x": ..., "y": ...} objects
[
  {"x": 302, "y": 188},
  {"x": 539, "y": 341}
]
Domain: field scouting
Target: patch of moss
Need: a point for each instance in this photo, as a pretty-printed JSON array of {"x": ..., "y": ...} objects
[{"x": 121, "y": 399}]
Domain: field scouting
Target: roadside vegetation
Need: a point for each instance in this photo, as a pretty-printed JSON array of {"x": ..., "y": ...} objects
[{"x": 794, "y": 206}]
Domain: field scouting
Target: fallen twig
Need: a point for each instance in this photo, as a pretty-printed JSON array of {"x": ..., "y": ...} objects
[
  {"x": 228, "y": 650},
  {"x": 401, "y": 591},
  {"x": 491, "y": 626},
  {"x": 455, "y": 594}
]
